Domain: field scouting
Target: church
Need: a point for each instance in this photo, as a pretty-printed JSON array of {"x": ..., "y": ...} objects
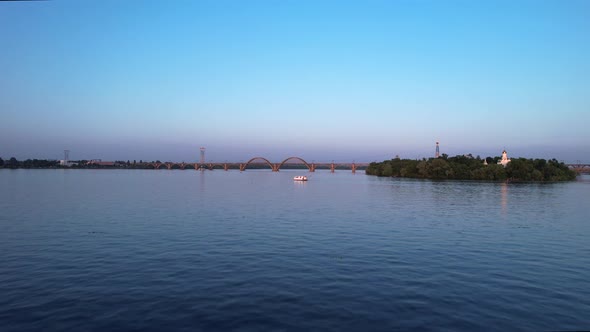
[{"x": 504, "y": 161}]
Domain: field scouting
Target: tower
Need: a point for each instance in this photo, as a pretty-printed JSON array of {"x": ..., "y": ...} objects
[
  {"x": 66, "y": 157},
  {"x": 202, "y": 161},
  {"x": 437, "y": 153}
]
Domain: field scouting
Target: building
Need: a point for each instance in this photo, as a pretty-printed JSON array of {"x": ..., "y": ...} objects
[
  {"x": 99, "y": 162},
  {"x": 504, "y": 161},
  {"x": 67, "y": 163}
]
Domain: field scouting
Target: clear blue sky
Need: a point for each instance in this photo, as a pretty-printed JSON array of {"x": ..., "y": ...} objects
[{"x": 324, "y": 80}]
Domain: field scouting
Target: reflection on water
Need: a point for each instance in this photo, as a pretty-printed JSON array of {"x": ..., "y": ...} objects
[
  {"x": 202, "y": 176},
  {"x": 504, "y": 198}
]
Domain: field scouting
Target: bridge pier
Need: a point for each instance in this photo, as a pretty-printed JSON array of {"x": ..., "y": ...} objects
[
  {"x": 332, "y": 167},
  {"x": 353, "y": 166},
  {"x": 312, "y": 168}
]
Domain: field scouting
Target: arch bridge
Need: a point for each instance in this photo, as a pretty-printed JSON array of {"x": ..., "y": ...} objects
[
  {"x": 580, "y": 168},
  {"x": 277, "y": 166},
  {"x": 259, "y": 162}
]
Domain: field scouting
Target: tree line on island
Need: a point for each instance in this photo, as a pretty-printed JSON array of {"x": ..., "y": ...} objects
[{"x": 467, "y": 167}]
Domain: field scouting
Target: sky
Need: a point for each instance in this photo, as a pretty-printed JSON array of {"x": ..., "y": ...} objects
[{"x": 322, "y": 80}]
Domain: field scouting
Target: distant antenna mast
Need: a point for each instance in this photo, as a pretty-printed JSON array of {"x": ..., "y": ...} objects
[
  {"x": 66, "y": 157},
  {"x": 437, "y": 153},
  {"x": 202, "y": 156}
]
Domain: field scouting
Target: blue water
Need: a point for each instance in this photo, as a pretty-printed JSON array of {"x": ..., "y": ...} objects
[{"x": 124, "y": 250}]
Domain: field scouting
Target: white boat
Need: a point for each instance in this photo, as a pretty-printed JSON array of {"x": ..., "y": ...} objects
[{"x": 300, "y": 178}]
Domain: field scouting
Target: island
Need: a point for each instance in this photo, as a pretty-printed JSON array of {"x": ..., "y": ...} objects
[{"x": 467, "y": 167}]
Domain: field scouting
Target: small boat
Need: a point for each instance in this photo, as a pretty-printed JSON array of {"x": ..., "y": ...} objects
[{"x": 300, "y": 178}]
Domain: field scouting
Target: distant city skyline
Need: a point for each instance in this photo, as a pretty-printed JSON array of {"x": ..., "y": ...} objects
[{"x": 329, "y": 80}]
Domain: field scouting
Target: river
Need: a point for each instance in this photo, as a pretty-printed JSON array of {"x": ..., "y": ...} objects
[{"x": 121, "y": 250}]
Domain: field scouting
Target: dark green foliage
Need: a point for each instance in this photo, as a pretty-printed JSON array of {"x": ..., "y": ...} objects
[
  {"x": 489, "y": 173},
  {"x": 556, "y": 171},
  {"x": 12, "y": 163},
  {"x": 519, "y": 169},
  {"x": 38, "y": 163},
  {"x": 437, "y": 169},
  {"x": 469, "y": 168},
  {"x": 28, "y": 163}
]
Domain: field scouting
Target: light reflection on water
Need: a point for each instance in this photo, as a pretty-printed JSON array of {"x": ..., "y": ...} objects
[{"x": 504, "y": 198}]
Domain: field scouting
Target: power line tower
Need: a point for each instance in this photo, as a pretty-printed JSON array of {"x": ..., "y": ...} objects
[
  {"x": 437, "y": 153},
  {"x": 202, "y": 161}
]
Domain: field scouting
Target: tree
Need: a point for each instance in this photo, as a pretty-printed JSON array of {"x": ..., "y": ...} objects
[
  {"x": 422, "y": 168},
  {"x": 460, "y": 172},
  {"x": 439, "y": 169},
  {"x": 387, "y": 170},
  {"x": 1, "y": 162},
  {"x": 468, "y": 168},
  {"x": 12, "y": 163},
  {"x": 495, "y": 172},
  {"x": 540, "y": 164},
  {"x": 519, "y": 170}
]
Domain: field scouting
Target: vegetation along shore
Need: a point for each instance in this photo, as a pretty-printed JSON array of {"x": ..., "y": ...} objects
[{"x": 470, "y": 168}]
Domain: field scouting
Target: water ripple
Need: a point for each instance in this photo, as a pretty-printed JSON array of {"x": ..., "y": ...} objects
[{"x": 201, "y": 251}]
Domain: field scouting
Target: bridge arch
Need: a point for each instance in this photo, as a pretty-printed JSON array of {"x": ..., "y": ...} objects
[
  {"x": 213, "y": 166},
  {"x": 177, "y": 165},
  {"x": 243, "y": 167},
  {"x": 297, "y": 158},
  {"x": 171, "y": 165},
  {"x": 184, "y": 165}
]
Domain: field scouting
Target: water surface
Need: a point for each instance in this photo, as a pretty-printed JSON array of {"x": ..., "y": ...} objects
[{"x": 148, "y": 250}]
